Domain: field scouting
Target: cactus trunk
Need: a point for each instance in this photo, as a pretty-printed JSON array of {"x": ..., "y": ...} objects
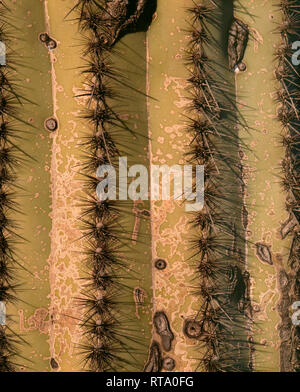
[{"x": 93, "y": 91}]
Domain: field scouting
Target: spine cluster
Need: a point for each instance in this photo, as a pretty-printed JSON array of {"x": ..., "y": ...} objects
[
  {"x": 222, "y": 323},
  {"x": 109, "y": 333},
  {"x": 10, "y": 157}
]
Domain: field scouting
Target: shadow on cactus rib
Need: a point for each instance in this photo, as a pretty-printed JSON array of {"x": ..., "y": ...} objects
[{"x": 223, "y": 324}]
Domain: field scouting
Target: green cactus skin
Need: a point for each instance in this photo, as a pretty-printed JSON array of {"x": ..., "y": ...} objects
[
  {"x": 30, "y": 316},
  {"x": 265, "y": 201}
]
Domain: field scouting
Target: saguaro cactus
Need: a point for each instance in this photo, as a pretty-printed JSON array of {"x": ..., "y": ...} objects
[{"x": 90, "y": 283}]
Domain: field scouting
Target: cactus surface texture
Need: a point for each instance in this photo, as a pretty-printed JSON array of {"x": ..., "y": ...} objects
[{"x": 149, "y": 216}]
